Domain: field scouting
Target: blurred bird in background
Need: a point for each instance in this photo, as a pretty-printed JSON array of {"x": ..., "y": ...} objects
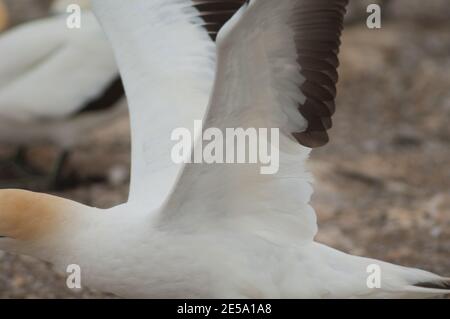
[{"x": 61, "y": 84}]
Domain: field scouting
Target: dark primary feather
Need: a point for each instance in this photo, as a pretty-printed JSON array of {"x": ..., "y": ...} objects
[
  {"x": 216, "y": 13},
  {"x": 317, "y": 25},
  {"x": 443, "y": 284}
]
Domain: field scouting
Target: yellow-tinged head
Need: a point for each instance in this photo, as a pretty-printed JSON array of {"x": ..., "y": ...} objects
[
  {"x": 46, "y": 226},
  {"x": 26, "y": 215},
  {"x": 4, "y": 16}
]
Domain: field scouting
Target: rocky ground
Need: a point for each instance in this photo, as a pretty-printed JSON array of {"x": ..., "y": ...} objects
[{"x": 382, "y": 184}]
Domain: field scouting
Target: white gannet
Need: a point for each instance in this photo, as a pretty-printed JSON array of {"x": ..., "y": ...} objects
[
  {"x": 58, "y": 83},
  {"x": 212, "y": 230}
]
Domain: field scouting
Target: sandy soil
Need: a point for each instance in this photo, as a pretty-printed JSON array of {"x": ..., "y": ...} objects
[{"x": 382, "y": 184}]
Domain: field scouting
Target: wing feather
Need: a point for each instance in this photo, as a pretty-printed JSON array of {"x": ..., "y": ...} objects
[
  {"x": 216, "y": 13},
  {"x": 318, "y": 26},
  {"x": 167, "y": 61},
  {"x": 267, "y": 69}
]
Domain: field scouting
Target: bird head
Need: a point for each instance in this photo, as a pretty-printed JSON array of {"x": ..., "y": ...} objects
[
  {"x": 4, "y": 16},
  {"x": 32, "y": 221}
]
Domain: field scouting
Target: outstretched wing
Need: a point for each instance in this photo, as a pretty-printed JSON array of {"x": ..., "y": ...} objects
[
  {"x": 277, "y": 65},
  {"x": 168, "y": 69}
]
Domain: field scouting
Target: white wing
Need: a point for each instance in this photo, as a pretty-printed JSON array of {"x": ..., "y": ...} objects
[
  {"x": 167, "y": 61},
  {"x": 267, "y": 69},
  {"x": 49, "y": 71}
]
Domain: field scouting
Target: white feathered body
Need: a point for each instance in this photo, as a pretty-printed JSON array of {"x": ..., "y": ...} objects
[{"x": 218, "y": 259}]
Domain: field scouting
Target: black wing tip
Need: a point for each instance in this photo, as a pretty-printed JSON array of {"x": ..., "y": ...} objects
[
  {"x": 317, "y": 49},
  {"x": 312, "y": 139},
  {"x": 443, "y": 284},
  {"x": 215, "y": 13}
]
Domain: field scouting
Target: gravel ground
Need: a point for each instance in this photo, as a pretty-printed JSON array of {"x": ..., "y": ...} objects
[{"x": 382, "y": 184}]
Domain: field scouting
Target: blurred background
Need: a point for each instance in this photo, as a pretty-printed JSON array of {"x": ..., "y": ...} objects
[{"x": 382, "y": 184}]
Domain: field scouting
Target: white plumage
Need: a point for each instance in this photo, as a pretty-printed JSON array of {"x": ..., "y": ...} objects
[
  {"x": 51, "y": 74},
  {"x": 199, "y": 230}
]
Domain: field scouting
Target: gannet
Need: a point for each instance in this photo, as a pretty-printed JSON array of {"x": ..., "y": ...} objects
[
  {"x": 213, "y": 230},
  {"x": 61, "y": 83}
]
